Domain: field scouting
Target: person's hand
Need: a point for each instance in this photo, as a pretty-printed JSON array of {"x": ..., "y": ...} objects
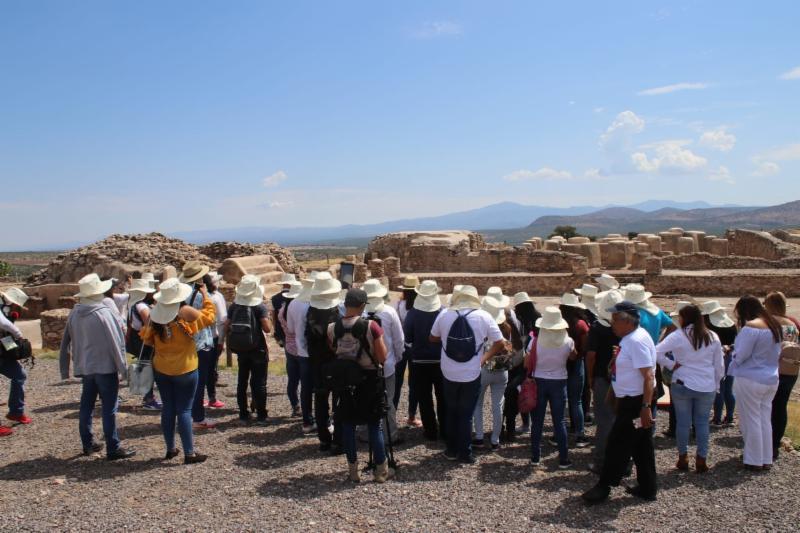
[
  {"x": 202, "y": 290},
  {"x": 646, "y": 418},
  {"x": 615, "y": 351}
]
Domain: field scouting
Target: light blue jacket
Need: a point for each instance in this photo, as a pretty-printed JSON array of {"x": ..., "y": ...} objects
[{"x": 96, "y": 341}]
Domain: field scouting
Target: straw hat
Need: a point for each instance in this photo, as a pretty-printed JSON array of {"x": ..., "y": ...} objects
[
  {"x": 249, "y": 291},
  {"x": 326, "y": 291},
  {"x": 607, "y": 282},
  {"x": 605, "y": 301},
  {"x": 497, "y": 294},
  {"x": 374, "y": 289},
  {"x": 571, "y": 300},
  {"x": 716, "y": 314},
  {"x": 305, "y": 290},
  {"x": 521, "y": 298},
  {"x": 465, "y": 298},
  {"x": 409, "y": 283},
  {"x": 495, "y": 308},
  {"x": 168, "y": 300},
  {"x": 427, "y": 297},
  {"x": 287, "y": 278},
  {"x": 192, "y": 271},
  {"x": 295, "y": 288},
  {"x": 587, "y": 291},
  {"x": 551, "y": 319},
  {"x": 15, "y": 295},
  {"x": 90, "y": 285}
]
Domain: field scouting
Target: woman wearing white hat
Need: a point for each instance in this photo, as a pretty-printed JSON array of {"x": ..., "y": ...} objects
[
  {"x": 13, "y": 301},
  {"x": 95, "y": 344},
  {"x": 426, "y": 357},
  {"x": 552, "y": 348},
  {"x": 140, "y": 300},
  {"x": 573, "y": 312},
  {"x": 523, "y": 318},
  {"x": 296, "y": 312},
  {"x": 403, "y": 306},
  {"x": 173, "y": 325},
  {"x": 588, "y": 293},
  {"x": 718, "y": 321}
]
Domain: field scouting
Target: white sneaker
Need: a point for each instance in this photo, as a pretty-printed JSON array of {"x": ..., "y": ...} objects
[{"x": 206, "y": 423}]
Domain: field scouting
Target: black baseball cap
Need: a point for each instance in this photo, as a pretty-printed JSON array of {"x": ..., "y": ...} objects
[{"x": 355, "y": 298}]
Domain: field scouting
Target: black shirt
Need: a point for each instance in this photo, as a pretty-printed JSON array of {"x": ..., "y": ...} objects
[
  {"x": 260, "y": 312},
  {"x": 277, "y": 302},
  {"x": 601, "y": 341}
]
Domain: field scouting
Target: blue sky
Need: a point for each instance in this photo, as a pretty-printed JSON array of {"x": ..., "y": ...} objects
[{"x": 140, "y": 116}]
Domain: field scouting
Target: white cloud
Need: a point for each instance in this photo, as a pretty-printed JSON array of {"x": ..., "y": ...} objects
[
  {"x": 599, "y": 109},
  {"x": 544, "y": 173},
  {"x": 790, "y": 152},
  {"x": 666, "y": 89},
  {"x": 722, "y": 174},
  {"x": 275, "y": 204},
  {"x": 766, "y": 168},
  {"x": 620, "y": 131},
  {"x": 594, "y": 174},
  {"x": 433, "y": 29},
  {"x": 275, "y": 179},
  {"x": 668, "y": 158},
  {"x": 718, "y": 139},
  {"x": 793, "y": 74}
]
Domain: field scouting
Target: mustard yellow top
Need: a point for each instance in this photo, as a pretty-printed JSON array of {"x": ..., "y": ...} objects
[{"x": 177, "y": 354}]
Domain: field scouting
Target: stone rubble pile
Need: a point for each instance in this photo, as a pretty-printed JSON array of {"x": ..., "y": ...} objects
[{"x": 220, "y": 251}]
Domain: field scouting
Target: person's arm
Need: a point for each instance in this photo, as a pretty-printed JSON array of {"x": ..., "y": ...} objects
[
  {"x": 669, "y": 344},
  {"x": 719, "y": 362},
  {"x": 265, "y": 325},
  {"x": 743, "y": 345},
  {"x": 144, "y": 315},
  {"x": 436, "y": 335},
  {"x": 64, "y": 353},
  {"x": 497, "y": 347},
  {"x": 379, "y": 351},
  {"x": 7, "y": 325},
  {"x": 398, "y": 338},
  {"x": 648, "y": 374}
]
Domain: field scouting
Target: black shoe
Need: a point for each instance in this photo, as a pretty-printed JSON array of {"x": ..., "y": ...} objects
[
  {"x": 120, "y": 453},
  {"x": 581, "y": 441},
  {"x": 93, "y": 448},
  {"x": 565, "y": 465},
  {"x": 325, "y": 446},
  {"x": 597, "y": 494},
  {"x": 336, "y": 449},
  {"x": 261, "y": 422},
  {"x": 495, "y": 447},
  {"x": 468, "y": 460},
  {"x": 637, "y": 491},
  {"x": 477, "y": 443},
  {"x": 194, "y": 458},
  {"x": 171, "y": 454}
]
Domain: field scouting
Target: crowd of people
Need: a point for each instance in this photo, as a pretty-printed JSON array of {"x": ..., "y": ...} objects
[{"x": 603, "y": 356}]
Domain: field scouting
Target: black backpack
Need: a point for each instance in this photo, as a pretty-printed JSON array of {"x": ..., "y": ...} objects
[
  {"x": 461, "y": 345},
  {"x": 345, "y": 373},
  {"x": 317, "y": 321},
  {"x": 243, "y": 333}
]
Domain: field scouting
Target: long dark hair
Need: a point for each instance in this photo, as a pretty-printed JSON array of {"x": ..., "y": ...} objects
[
  {"x": 409, "y": 295},
  {"x": 527, "y": 315},
  {"x": 749, "y": 308},
  {"x": 572, "y": 315},
  {"x": 209, "y": 283},
  {"x": 285, "y": 308},
  {"x": 700, "y": 335}
]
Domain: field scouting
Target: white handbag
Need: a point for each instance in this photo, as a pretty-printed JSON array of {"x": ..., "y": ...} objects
[{"x": 140, "y": 375}]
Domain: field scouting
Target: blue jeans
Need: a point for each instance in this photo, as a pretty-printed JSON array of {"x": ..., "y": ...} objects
[
  {"x": 375, "y": 435},
  {"x": 11, "y": 369},
  {"x": 399, "y": 375},
  {"x": 691, "y": 407},
  {"x": 460, "y": 400},
  {"x": 725, "y": 397},
  {"x": 205, "y": 364},
  {"x": 575, "y": 382},
  {"x": 177, "y": 395},
  {"x": 107, "y": 387},
  {"x": 553, "y": 391},
  {"x": 299, "y": 371}
]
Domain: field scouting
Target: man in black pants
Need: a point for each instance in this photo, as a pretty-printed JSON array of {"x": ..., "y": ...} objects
[{"x": 633, "y": 380}]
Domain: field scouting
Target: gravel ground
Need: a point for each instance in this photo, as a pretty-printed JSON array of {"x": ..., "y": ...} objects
[{"x": 274, "y": 478}]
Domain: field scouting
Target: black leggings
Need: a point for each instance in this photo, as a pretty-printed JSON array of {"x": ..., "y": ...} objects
[{"x": 779, "y": 413}]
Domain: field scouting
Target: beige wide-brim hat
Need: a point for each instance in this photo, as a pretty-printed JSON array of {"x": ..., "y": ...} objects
[
  {"x": 607, "y": 300},
  {"x": 192, "y": 271},
  {"x": 465, "y": 298},
  {"x": 678, "y": 306},
  {"x": 409, "y": 283},
  {"x": 551, "y": 319},
  {"x": 138, "y": 290},
  {"x": 427, "y": 289},
  {"x": 91, "y": 285},
  {"x": 428, "y": 304},
  {"x": 497, "y": 294},
  {"x": 716, "y": 314},
  {"x": 15, "y": 295},
  {"x": 636, "y": 294},
  {"x": 327, "y": 301},
  {"x": 150, "y": 278},
  {"x": 172, "y": 291},
  {"x": 287, "y": 278},
  {"x": 495, "y": 308},
  {"x": 325, "y": 286},
  {"x": 521, "y": 298},
  {"x": 305, "y": 290},
  {"x": 587, "y": 291},
  {"x": 295, "y": 288},
  {"x": 374, "y": 289},
  {"x": 711, "y": 306},
  {"x": 571, "y": 300},
  {"x": 164, "y": 313},
  {"x": 607, "y": 282},
  {"x": 249, "y": 291}
]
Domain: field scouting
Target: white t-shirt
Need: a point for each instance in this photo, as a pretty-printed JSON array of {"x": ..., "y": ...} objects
[
  {"x": 393, "y": 338},
  {"x": 222, "y": 312},
  {"x": 296, "y": 323},
  {"x": 136, "y": 323},
  {"x": 701, "y": 370},
  {"x": 636, "y": 351},
  {"x": 483, "y": 327},
  {"x": 551, "y": 363}
]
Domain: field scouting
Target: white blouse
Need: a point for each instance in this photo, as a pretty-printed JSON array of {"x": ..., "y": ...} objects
[{"x": 701, "y": 370}]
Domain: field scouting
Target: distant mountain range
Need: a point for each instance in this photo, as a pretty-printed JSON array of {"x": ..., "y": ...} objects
[{"x": 509, "y": 217}]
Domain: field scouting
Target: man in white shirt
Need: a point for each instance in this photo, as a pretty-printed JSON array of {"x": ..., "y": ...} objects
[
  {"x": 462, "y": 380},
  {"x": 633, "y": 378},
  {"x": 296, "y": 318}
]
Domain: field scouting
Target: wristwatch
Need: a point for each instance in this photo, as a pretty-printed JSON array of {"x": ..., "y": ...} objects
[{"x": 645, "y": 406}]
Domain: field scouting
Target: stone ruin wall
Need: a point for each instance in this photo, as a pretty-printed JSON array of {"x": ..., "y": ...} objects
[
  {"x": 220, "y": 251},
  {"x": 707, "y": 261},
  {"x": 761, "y": 244}
]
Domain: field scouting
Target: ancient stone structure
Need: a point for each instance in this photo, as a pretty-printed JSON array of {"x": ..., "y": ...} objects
[
  {"x": 760, "y": 244},
  {"x": 220, "y": 251},
  {"x": 53, "y": 324},
  {"x": 391, "y": 267},
  {"x": 360, "y": 273},
  {"x": 376, "y": 268},
  {"x": 265, "y": 267}
]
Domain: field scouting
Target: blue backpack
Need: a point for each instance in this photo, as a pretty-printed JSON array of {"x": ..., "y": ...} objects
[{"x": 461, "y": 345}]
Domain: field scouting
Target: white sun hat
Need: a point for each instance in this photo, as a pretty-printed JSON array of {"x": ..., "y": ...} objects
[
  {"x": 287, "y": 278},
  {"x": 168, "y": 300},
  {"x": 497, "y": 294},
  {"x": 374, "y": 289},
  {"x": 551, "y": 319},
  {"x": 607, "y": 282},
  {"x": 465, "y": 298},
  {"x": 90, "y": 285},
  {"x": 150, "y": 278},
  {"x": 409, "y": 283},
  {"x": 587, "y": 291},
  {"x": 326, "y": 291},
  {"x": 15, "y": 295},
  {"x": 305, "y": 290},
  {"x": 521, "y": 298},
  {"x": 716, "y": 314},
  {"x": 249, "y": 291},
  {"x": 138, "y": 290},
  {"x": 571, "y": 300},
  {"x": 637, "y": 295},
  {"x": 605, "y": 301},
  {"x": 678, "y": 306},
  {"x": 295, "y": 288},
  {"x": 427, "y": 297},
  {"x": 494, "y": 307}
]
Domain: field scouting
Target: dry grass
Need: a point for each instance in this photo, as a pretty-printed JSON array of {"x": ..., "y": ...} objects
[{"x": 793, "y": 425}]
